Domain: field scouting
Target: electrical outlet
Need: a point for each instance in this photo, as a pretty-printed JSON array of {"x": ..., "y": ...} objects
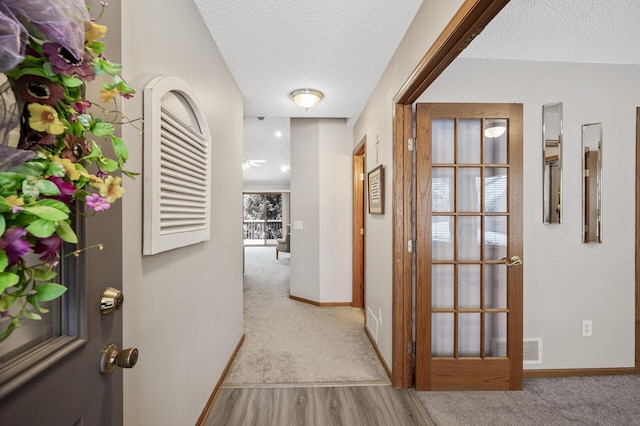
[
  {"x": 380, "y": 315},
  {"x": 587, "y": 328}
]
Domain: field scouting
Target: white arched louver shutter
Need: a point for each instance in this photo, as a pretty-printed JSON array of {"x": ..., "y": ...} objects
[{"x": 177, "y": 167}]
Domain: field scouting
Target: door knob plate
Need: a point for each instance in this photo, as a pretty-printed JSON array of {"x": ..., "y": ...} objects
[{"x": 112, "y": 357}]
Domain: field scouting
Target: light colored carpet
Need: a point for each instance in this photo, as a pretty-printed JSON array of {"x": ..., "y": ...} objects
[
  {"x": 600, "y": 400},
  {"x": 290, "y": 342}
]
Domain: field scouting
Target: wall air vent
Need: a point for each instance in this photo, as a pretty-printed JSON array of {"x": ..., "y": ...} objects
[
  {"x": 531, "y": 350},
  {"x": 177, "y": 167}
]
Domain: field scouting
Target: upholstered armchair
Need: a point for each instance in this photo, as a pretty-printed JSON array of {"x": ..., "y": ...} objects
[{"x": 284, "y": 243}]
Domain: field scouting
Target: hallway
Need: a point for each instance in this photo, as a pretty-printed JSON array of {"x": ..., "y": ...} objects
[
  {"x": 304, "y": 365},
  {"x": 287, "y": 341}
]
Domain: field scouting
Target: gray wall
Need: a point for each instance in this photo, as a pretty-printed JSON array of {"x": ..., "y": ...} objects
[
  {"x": 183, "y": 307},
  {"x": 375, "y": 123}
]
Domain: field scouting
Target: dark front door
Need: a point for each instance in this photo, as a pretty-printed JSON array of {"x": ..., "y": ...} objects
[{"x": 63, "y": 384}]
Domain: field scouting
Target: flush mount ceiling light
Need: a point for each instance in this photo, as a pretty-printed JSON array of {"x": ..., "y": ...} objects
[
  {"x": 306, "y": 98},
  {"x": 495, "y": 128}
]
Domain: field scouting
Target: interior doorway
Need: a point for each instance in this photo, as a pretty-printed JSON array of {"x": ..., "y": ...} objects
[
  {"x": 472, "y": 16},
  {"x": 469, "y": 243}
]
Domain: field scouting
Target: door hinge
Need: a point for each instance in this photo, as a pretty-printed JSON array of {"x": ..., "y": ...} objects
[
  {"x": 410, "y": 246},
  {"x": 411, "y": 144},
  {"x": 411, "y": 348},
  {"x": 361, "y": 286},
  {"x": 361, "y": 231},
  {"x": 362, "y": 177},
  {"x": 586, "y": 173}
]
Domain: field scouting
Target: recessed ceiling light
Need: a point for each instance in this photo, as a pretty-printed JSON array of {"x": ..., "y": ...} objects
[{"x": 278, "y": 134}]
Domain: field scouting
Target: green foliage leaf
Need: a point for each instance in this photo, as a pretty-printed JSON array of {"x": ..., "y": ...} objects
[
  {"x": 30, "y": 168},
  {"x": 29, "y": 191},
  {"x": 47, "y": 212},
  {"x": 101, "y": 128},
  {"x": 10, "y": 182},
  {"x": 119, "y": 147},
  {"x": 49, "y": 291},
  {"x": 34, "y": 302},
  {"x": 65, "y": 232},
  {"x": 71, "y": 81},
  {"x": 77, "y": 128},
  {"x": 40, "y": 71},
  {"x": 42, "y": 274},
  {"x": 56, "y": 204},
  {"x": 7, "y": 331},
  {"x": 96, "y": 152},
  {"x": 4, "y": 207},
  {"x": 31, "y": 315},
  {"x": 96, "y": 46},
  {"x": 110, "y": 67},
  {"x": 130, "y": 175},
  {"x": 6, "y": 301},
  {"x": 85, "y": 119},
  {"x": 48, "y": 69},
  {"x": 46, "y": 187},
  {"x": 8, "y": 279},
  {"x": 108, "y": 165},
  {"x": 41, "y": 228},
  {"x": 4, "y": 260},
  {"x": 56, "y": 169},
  {"x": 124, "y": 88}
]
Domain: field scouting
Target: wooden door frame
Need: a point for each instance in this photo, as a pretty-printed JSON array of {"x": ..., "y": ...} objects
[
  {"x": 358, "y": 224},
  {"x": 465, "y": 25},
  {"x": 637, "y": 278}
]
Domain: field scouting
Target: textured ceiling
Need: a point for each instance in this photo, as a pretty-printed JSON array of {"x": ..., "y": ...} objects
[
  {"x": 340, "y": 47},
  {"x": 588, "y": 31}
]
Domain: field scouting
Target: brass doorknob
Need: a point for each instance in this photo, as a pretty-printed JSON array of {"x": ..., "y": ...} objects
[
  {"x": 514, "y": 261},
  {"x": 112, "y": 358}
]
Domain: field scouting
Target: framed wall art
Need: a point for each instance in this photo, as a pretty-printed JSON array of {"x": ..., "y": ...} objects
[{"x": 376, "y": 190}]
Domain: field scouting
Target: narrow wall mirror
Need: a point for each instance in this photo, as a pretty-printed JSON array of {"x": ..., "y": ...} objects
[
  {"x": 552, "y": 163},
  {"x": 592, "y": 183}
]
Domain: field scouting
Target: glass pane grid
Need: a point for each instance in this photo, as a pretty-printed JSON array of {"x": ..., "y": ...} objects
[{"x": 483, "y": 173}]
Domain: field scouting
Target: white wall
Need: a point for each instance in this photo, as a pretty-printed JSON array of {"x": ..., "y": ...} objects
[
  {"x": 321, "y": 200},
  {"x": 375, "y": 123},
  {"x": 566, "y": 281},
  {"x": 183, "y": 308}
]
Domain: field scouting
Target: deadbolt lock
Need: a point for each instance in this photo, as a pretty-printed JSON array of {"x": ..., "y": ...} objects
[
  {"x": 112, "y": 300},
  {"x": 112, "y": 358}
]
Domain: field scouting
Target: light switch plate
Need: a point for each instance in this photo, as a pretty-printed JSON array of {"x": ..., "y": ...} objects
[{"x": 297, "y": 224}]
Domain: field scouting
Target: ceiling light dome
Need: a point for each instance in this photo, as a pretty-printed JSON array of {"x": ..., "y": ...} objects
[
  {"x": 495, "y": 128},
  {"x": 306, "y": 98}
]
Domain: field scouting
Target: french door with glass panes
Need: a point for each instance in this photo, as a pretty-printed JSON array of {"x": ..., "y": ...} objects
[{"x": 469, "y": 243}]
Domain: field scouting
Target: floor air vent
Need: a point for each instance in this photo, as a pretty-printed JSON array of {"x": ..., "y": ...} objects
[{"x": 531, "y": 350}]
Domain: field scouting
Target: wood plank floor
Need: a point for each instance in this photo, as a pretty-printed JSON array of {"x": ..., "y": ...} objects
[{"x": 317, "y": 406}]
